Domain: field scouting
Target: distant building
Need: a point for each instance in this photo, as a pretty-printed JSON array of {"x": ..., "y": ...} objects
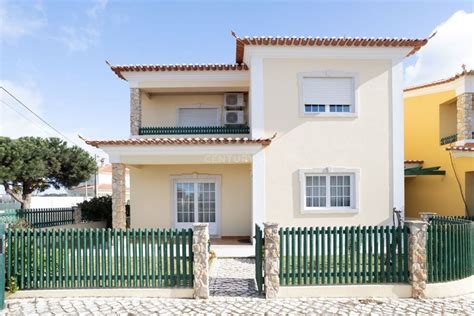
[{"x": 103, "y": 185}]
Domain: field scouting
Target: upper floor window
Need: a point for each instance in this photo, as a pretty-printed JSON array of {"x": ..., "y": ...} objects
[
  {"x": 199, "y": 116},
  {"x": 327, "y": 93}
]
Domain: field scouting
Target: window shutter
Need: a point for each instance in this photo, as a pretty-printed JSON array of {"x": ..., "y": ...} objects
[
  {"x": 198, "y": 117},
  {"x": 328, "y": 90}
]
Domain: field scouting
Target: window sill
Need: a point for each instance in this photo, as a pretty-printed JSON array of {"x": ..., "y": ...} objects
[
  {"x": 329, "y": 115},
  {"x": 328, "y": 210}
]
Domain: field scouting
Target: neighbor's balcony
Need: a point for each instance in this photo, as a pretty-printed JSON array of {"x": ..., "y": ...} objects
[
  {"x": 448, "y": 139},
  {"x": 452, "y": 139},
  {"x": 194, "y": 130}
]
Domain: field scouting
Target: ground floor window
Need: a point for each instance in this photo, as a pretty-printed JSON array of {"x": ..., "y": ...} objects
[{"x": 328, "y": 189}]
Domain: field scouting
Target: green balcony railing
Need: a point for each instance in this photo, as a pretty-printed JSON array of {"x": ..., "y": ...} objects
[
  {"x": 448, "y": 139},
  {"x": 188, "y": 130}
]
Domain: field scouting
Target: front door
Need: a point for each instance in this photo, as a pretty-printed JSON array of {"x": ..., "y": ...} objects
[{"x": 196, "y": 200}]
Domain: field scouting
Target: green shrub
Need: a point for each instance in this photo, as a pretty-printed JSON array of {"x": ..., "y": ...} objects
[
  {"x": 12, "y": 287},
  {"x": 97, "y": 209},
  {"x": 20, "y": 224}
]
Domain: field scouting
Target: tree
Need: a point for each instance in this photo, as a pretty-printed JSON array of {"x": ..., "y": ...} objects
[{"x": 30, "y": 164}]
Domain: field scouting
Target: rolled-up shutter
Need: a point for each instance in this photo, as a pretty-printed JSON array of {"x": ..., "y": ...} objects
[
  {"x": 328, "y": 91},
  {"x": 198, "y": 117}
]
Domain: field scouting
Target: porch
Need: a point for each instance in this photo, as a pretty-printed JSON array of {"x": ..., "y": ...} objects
[
  {"x": 163, "y": 196},
  {"x": 175, "y": 182}
]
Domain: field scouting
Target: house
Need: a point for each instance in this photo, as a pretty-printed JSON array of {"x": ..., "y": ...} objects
[
  {"x": 439, "y": 132},
  {"x": 300, "y": 131},
  {"x": 100, "y": 184}
]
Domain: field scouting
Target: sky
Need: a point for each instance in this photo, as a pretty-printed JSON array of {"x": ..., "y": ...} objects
[{"x": 53, "y": 53}]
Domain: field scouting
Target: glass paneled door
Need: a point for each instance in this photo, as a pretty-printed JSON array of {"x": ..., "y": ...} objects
[{"x": 197, "y": 201}]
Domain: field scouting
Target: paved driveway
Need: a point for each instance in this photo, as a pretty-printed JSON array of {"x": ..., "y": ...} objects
[{"x": 233, "y": 291}]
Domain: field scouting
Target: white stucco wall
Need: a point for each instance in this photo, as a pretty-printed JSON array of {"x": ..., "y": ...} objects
[{"x": 363, "y": 142}]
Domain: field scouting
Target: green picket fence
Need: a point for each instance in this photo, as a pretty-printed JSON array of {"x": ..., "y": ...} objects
[
  {"x": 40, "y": 217},
  {"x": 343, "y": 255},
  {"x": 99, "y": 258},
  {"x": 450, "y": 249}
]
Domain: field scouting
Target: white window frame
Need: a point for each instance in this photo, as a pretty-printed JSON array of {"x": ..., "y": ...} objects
[
  {"x": 329, "y": 74},
  {"x": 354, "y": 173},
  {"x": 200, "y": 106},
  {"x": 196, "y": 178}
]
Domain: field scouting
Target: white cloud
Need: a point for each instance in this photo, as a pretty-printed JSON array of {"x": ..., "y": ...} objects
[
  {"x": 16, "y": 121},
  {"x": 80, "y": 38},
  {"x": 95, "y": 11},
  {"x": 18, "y": 20},
  {"x": 442, "y": 57}
]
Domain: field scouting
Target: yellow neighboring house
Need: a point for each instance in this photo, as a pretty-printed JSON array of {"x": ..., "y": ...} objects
[{"x": 439, "y": 132}]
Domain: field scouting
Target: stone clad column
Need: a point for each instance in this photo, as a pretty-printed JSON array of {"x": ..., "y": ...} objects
[
  {"x": 118, "y": 195},
  {"x": 272, "y": 260},
  {"x": 135, "y": 111},
  {"x": 201, "y": 260},
  {"x": 465, "y": 124},
  {"x": 417, "y": 265},
  {"x": 77, "y": 215},
  {"x": 427, "y": 216}
]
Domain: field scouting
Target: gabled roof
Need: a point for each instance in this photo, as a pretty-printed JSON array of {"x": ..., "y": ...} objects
[
  {"x": 442, "y": 81},
  {"x": 180, "y": 141},
  {"x": 118, "y": 69},
  {"x": 241, "y": 42}
]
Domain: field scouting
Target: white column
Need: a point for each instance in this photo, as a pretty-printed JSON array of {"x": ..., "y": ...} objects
[
  {"x": 256, "y": 109},
  {"x": 398, "y": 151},
  {"x": 258, "y": 188}
]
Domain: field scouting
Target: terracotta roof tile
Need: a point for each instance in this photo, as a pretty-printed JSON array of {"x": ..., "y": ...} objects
[
  {"x": 241, "y": 42},
  {"x": 413, "y": 161},
  {"x": 180, "y": 141},
  {"x": 438, "y": 82},
  {"x": 118, "y": 69},
  {"x": 465, "y": 147}
]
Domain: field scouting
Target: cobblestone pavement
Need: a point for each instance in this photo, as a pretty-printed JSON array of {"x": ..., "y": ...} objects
[
  {"x": 237, "y": 295},
  {"x": 232, "y": 278}
]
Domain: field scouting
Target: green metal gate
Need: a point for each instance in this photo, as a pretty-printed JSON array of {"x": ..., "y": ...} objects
[{"x": 259, "y": 258}]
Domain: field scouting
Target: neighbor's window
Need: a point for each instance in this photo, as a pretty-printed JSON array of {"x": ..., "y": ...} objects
[
  {"x": 328, "y": 190},
  {"x": 327, "y": 95}
]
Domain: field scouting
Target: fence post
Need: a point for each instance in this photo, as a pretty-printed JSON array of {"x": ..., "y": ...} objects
[
  {"x": 201, "y": 260},
  {"x": 77, "y": 214},
  {"x": 427, "y": 216},
  {"x": 2, "y": 266},
  {"x": 272, "y": 259},
  {"x": 417, "y": 258}
]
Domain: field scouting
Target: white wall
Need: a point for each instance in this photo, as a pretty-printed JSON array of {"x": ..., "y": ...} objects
[{"x": 55, "y": 201}]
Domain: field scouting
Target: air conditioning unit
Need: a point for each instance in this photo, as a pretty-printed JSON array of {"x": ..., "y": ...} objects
[
  {"x": 234, "y": 117},
  {"x": 234, "y": 100}
]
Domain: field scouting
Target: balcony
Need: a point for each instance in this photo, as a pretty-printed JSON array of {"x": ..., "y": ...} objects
[
  {"x": 451, "y": 139},
  {"x": 194, "y": 130},
  {"x": 448, "y": 139}
]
